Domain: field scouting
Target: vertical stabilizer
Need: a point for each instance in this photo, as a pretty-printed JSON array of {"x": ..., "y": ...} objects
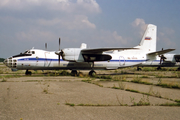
[{"x": 148, "y": 42}]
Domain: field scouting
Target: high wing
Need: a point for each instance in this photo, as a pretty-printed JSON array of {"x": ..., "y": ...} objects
[
  {"x": 161, "y": 52},
  {"x": 100, "y": 50}
]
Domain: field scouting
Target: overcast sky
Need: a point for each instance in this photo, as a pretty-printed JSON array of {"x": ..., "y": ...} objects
[{"x": 99, "y": 23}]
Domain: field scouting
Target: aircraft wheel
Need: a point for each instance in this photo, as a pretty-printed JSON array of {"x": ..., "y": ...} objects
[
  {"x": 178, "y": 69},
  {"x": 28, "y": 72},
  {"x": 158, "y": 68},
  {"x": 74, "y": 72},
  {"x": 138, "y": 69},
  {"x": 92, "y": 73}
]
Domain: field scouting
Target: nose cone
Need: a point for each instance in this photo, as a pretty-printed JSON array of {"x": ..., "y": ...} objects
[{"x": 10, "y": 62}]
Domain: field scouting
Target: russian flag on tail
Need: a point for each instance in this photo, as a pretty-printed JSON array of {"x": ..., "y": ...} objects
[{"x": 147, "y": 38}]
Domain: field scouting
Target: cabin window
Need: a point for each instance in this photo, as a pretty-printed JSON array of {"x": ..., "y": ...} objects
[{"x": 33, "y": 52}]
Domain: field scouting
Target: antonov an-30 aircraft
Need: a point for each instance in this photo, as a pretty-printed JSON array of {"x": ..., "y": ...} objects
[{"x": 84, "y": 58}]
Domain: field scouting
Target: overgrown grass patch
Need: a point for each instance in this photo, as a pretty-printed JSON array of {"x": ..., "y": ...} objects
[
  {"x": 177, "y": 100},
  {"x": 170, "y": 104},
  {"x": 176, "y": 86},
  {"x": 132, "y": 90},
  {"x": 70, "y": 104}
]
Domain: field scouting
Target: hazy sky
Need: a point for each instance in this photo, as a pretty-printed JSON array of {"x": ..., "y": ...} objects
[{"x": 99, "y": 23}]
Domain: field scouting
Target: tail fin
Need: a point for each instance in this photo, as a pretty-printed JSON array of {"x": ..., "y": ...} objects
[{"x": 148, "y": 42}]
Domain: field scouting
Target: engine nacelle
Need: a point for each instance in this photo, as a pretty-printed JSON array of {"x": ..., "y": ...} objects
[
  {"x": 72, "y": 54},
  {"x": 75, "y": 55}
]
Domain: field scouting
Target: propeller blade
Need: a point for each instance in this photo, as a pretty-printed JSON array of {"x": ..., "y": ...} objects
[
  {"x": 160, "y": 60},
  {"x": 59, "y": 43},
  {"x": 46, "y": 46},
  {"x": 59, "y": 50}
]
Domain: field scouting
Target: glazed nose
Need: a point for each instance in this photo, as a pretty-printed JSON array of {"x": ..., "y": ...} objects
[{"x": 10, "y": 62}]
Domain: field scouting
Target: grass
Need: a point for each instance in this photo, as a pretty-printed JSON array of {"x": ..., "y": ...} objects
[
  {"x": 170, "y": 104},
  {"x": 176, "y": 86},
  {"x": 142, "y": 102},
  {"x": 70, "y": 104}
]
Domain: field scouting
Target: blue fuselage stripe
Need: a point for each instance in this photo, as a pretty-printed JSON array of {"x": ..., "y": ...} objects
[{"x": 44, "y": 59}]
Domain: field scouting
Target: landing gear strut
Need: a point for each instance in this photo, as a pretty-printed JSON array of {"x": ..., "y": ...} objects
[{"x": 28, "y": 72}]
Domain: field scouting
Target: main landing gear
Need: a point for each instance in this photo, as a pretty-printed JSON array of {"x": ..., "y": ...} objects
[
  {"x": 91, "y": 73},
  {"x": 28, "y": 72}
]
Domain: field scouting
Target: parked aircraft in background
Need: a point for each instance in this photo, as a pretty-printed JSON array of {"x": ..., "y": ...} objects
[
  {"x": 156, "y": 58},
  {"x": 84, "y": 58}
]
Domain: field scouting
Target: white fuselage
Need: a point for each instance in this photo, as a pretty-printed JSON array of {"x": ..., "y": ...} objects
[{"x": 46, "y": 60}]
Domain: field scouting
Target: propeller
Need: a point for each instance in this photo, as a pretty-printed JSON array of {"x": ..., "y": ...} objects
[
  {"x": 46, "y": 46},
  {"x": 162, "y": 58},
  {"x": 60, "y": 52}
]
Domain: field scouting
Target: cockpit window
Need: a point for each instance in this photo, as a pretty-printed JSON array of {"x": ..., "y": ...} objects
[{"x": 27, "y": 52}]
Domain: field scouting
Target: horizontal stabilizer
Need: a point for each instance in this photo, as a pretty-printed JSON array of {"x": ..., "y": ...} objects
[
  {"x": 100, "y": 50},
  {"x": 161, "y": 52}
]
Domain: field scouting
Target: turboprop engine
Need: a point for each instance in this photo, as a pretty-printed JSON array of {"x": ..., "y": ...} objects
[{"x": 76, "y": 55}]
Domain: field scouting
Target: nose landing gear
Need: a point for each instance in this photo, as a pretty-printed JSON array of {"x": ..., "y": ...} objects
[{"x": 28, "y": 72}]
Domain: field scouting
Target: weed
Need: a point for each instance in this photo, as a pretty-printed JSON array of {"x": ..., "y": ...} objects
[
  {"x": 114, "y": 87},
  {"x": 121, "y": 85},
  {"x": 4, "y": 80},
  {"x": 170, "y": 104},
  {"x": 120, "y": 103},
  {"x": 137, "y": 80},
  {"x": 45, "y": 89},
  {"x": 152, "y": 93},
  {"x": 132, "y": 101},
  {"x": 96, "y": 83},
  {"x": 70, "y": 104},
  {"x": 88, "y": 81},
  {"x": 119, "y": 78},
  {"x": 160, "y": 81},
  {"x": 144, "y": 76},
  {"x": 132, "y": 90},
  {"x": 104, "y": 77},
  {"x": 169, "y": 86},
  {"x": 177, "y": 100},
  {"x": 143, "y": 101},
  {"x": 1, "y": 72}
]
